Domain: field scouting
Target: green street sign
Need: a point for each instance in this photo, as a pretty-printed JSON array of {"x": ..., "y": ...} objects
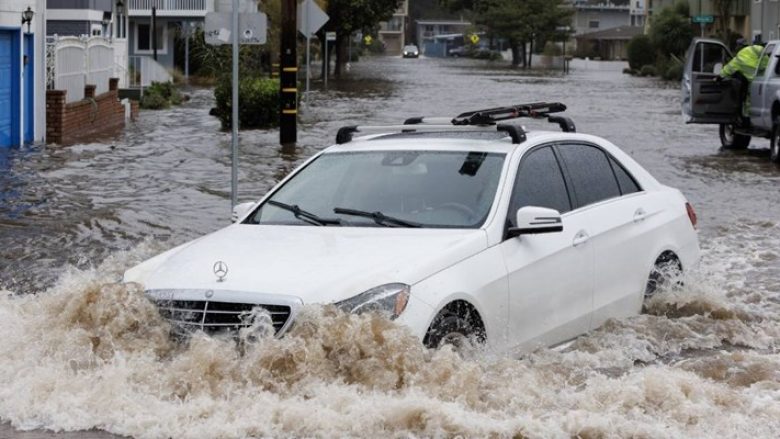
[{"x": 702, "y": 19}]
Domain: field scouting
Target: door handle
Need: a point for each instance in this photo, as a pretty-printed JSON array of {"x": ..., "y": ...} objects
[
  {"x": 580, "y": 238},
  {"x": 640, "y": 215}
]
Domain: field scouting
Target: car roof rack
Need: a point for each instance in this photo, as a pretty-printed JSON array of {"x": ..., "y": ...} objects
[{"x": 486, "y": 119}]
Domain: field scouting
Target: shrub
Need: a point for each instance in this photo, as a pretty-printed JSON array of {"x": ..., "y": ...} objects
[
  {"x": 673, "y": 69},
  {"x": 670, "y": 30},
  {"x": 160, "y": 95},
  {"x": 648, "y": 71},
  {"x": 552, "y": 49},
  {"x": 640, "y": 52},
  {"x": 258, "y": 102}
]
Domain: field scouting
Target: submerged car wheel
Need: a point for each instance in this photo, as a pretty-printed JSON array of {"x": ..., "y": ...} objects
[
  {"x": 457, "y": 325},
  {"x": 774, "y": 145},
  {"x": 730, "y": 139},
  {"x": 666, "y": 272}
]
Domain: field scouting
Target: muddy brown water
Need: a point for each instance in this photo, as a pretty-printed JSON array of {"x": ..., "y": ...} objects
[{"x": 84, "y": 357}]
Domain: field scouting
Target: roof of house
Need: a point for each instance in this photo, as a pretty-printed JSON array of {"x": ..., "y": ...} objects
[{"x": 615, "y": 33}]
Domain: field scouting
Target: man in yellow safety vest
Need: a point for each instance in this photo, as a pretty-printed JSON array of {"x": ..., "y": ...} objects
[{"x": 743, "y": 68}]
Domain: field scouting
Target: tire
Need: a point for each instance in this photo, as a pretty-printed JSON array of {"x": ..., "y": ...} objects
[
  {"x": 774, "y": 143},
  {"x": 666, "y": 273},
  {"x": 452, "y": 327},
  {"x": 731, "y": 140}
]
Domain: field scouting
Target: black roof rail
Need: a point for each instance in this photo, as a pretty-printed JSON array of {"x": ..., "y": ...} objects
[
  {"x": 492, "y": 115},
  {"x": 479, "y": 118}
]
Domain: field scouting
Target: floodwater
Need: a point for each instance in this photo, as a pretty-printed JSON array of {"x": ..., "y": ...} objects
[{"x": 80, "y": 354}]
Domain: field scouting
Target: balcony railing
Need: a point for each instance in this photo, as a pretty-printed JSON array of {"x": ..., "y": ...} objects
[{"x": 168, "y": 8}]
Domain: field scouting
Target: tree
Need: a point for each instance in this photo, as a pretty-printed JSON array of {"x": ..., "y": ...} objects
[
  {"x": 671, "y": 32},
  {"x": 349, "y": 16},
  {"x": 723, "y": 10},
  {"x": 640, "y": 52}
]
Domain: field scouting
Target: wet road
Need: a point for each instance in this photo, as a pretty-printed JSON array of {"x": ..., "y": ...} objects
[{"x": 704, "y": 362}]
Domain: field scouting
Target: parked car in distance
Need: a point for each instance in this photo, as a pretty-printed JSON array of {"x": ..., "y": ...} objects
[
  {"x": 411, "y": 51},
  {"x": 457, "y": 52},
  {"x": 707, "y": 101},
  {"x": 464, "y": 230}
]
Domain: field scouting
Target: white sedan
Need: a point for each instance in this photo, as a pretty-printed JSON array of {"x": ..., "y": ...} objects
[{"x": 518, "y": 241}]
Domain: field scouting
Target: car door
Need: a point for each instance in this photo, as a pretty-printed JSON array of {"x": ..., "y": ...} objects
[
  {"x": 760, "y": 93},
  {"x": 621, "y": 220},
  {"x": 705, "y": 100},
  {"x": 550, "y": 276}
]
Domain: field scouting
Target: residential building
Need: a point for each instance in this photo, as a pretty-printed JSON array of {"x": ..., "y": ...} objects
[
  {"x": 434, "y": 37},
  {"x": 392, "y": 33},
  {"x": 79, "y": 17},
  {"x": 765, "y": 19},
  {"x": 637, "y": 13},
  {"x": 22, "y": 72},
  {"x": 739, "y": 21},
  {"x": 597, "y": 15},
  {"x": 609, "y": 44}
]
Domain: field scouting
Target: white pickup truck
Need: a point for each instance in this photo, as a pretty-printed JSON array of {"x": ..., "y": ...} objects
[{"x": 707, "y": 101}]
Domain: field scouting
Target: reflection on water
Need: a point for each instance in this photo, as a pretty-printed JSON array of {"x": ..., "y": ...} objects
[{"x": 86, "y": 353}]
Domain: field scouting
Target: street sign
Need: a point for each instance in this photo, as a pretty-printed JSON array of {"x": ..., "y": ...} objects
[
  {"x": 330, "y": 36},
  {"x": 252, "y": 28},
  {"x": 367, "y": 39},
  {"x": 310, "y": 18},
  {"x": 474, "y": 38},
  {"x": 703, "y": 19}
]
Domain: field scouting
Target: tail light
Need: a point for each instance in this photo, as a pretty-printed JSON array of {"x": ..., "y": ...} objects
[{"x": 692, "y": 215}]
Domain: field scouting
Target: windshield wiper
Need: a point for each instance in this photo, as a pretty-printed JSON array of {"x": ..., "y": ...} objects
[
  {"x": 303, "y": 215},
  {"x": 378, "y": 217}
]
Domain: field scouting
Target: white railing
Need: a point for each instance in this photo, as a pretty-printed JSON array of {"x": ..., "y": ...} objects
[
  {"x": 171, "y": 5},
  {"x": 143, "y": 70},
  {"x": 120, "y": 61}
]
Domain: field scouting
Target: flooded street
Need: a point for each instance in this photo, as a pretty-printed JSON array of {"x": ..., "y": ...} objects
[{"x": 80, "y": 353}]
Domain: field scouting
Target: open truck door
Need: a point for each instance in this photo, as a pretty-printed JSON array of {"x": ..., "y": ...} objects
[{"x": 705, "y": 100}]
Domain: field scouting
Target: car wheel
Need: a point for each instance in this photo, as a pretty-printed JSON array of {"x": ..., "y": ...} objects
[
  {"x": 774, "y": 144},
  {"x": 729, "y": 139},
  {"x": 453, "y": 327},
  {"x": 666, "y": 272}
]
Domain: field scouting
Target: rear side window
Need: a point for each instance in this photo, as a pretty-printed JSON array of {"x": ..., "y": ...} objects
[
  {"x": 590, "y": 172},
  {"x": 540, "y": 183},
  {"x": 625, "y": 181}
]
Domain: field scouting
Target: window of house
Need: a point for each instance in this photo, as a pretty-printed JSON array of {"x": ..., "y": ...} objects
[
  {"x": 143, "y": 38},
  {"x": 96, "y": 30},
  {"x": 593, "y": 24}
]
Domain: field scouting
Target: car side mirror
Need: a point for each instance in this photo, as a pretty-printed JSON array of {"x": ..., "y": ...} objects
[
  {"x": 240, "y": 210},
  {"x": 533, "y": 220}
]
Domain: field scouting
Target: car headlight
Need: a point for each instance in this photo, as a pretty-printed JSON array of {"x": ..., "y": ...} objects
[{"x": 390, "y": 299}]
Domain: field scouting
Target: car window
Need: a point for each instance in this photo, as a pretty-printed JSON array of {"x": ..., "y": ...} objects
[
  {"x": 539, "y": 183},
  {"x": 590, "y": 173},
  {"x": 764, "y": 60},
  {"x": 454, "y": 189},
  {"x": 627, "y": 183},
  {"x": 709, "y": 57}
]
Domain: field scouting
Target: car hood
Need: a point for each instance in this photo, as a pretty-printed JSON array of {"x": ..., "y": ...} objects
[{"x": 315, "y": 264}]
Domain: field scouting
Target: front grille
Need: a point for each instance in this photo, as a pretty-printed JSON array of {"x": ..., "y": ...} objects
[{"x": 218, "y": 316}]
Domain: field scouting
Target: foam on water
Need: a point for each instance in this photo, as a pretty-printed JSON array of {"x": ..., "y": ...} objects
[{"x": 703, "y": 362}]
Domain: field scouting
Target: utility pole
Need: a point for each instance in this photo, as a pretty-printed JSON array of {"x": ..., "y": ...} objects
[
  {"x": 288, "y": 82},
  {"x": 154, "y": 32},
  {"x": 701, "y": 24}
]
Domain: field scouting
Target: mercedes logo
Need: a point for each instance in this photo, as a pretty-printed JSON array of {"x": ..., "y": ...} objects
[{"x": 221, "y": 270}]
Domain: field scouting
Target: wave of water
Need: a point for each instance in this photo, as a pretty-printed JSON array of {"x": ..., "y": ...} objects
[{"x": 90, "y": 353}]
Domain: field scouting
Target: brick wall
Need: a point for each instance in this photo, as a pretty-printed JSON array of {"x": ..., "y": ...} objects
[{"x": 90, "y": 119}]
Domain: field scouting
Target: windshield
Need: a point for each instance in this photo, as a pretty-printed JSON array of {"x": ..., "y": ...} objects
[{"x": 388, "y": 189}]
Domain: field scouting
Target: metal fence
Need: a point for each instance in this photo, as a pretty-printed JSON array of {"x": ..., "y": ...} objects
[{"x": 73, "y": 62}]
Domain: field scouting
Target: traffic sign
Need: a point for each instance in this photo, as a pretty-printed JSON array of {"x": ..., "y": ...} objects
[
  {"x": 310, "y": 18},
  {"x": 367, "y": 39},
  {"x": 703, "y": 19},
  {"x": 252, "y": 28},
  {"x": 330, "y": 36},
  {"x": 474, "y": 38}
]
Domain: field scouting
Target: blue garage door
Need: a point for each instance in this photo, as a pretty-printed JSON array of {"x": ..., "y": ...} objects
[{"x": 9, "y": 88}]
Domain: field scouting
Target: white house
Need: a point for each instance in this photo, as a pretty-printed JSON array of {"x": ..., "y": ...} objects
[{"x": 22, "y": 72}]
